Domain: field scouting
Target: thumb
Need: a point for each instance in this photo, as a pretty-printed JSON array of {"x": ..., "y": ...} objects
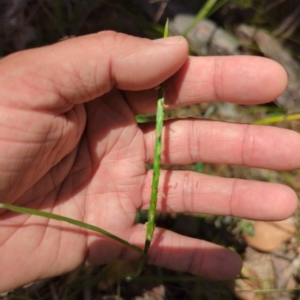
[{"x": 77, "y": 70}]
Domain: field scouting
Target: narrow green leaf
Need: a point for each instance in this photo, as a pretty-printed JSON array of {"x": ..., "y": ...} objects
[
  {"x": 30, "y": 211},
  {"x": 203, "y": 13},
  {"x": 277, "y": 119},
  {"x": 166, "y": 30}
]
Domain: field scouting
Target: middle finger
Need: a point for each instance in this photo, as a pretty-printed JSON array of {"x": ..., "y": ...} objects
[{"x": 190, "y": 141}]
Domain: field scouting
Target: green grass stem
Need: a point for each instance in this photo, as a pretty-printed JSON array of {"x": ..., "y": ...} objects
[
  {"x": 277, "y": 119},
  {"x": 156, "y": 160},
  {"x": 203, "y": 13}
]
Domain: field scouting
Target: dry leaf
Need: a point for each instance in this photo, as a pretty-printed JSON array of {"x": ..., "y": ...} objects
[
  {"x": 246, "y": 288},
  {"x": 270, "y": 235}
]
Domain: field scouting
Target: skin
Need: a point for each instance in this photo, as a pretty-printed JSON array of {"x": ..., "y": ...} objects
[{"x": 69, "y": 144}]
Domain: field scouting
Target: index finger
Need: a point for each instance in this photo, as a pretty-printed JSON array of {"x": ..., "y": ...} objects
[{"x": 235, "y": 79}]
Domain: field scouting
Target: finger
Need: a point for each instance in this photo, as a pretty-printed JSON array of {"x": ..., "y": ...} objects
[
  {"x": 184, "y": 254},
  {"x": 83, "y": 68},
  {"x": 190, "y": 141},
  {"x": 190, "y": 192},
  {"x": 236, "y": 79}
]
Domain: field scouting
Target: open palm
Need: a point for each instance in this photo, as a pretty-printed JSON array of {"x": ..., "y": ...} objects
[{"x": 70, "y": 145}]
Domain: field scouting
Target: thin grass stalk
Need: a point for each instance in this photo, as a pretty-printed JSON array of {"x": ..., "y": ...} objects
[
  {"x": 277, "y": 119},
  {"x": 156, "y": 169},
  {"x": 203, "y": 13},
  {"x": 156, "y": 160}
]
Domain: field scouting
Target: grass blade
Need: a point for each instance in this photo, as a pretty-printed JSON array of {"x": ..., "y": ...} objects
[
  {"x": 30, "y": 211},
  {"x": 277, "y": 119},
  {"x": 203, "y": 13}
]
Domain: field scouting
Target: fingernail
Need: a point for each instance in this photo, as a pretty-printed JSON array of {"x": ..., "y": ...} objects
[{"x": 170, "y": 40}]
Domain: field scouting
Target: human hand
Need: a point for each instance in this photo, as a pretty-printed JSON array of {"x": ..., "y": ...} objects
[{"x": 62, "y": 151}]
